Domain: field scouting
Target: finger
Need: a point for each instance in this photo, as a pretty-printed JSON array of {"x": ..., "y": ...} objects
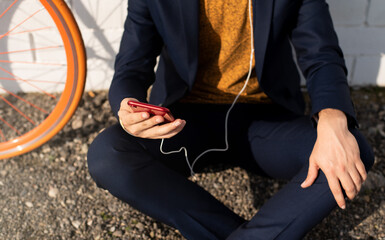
[
  {"x": 357, "y": 179},
  {"x": 165, "y": 131},
  {"x": 311, "y": 175},
  {"x": 336, "y": 190},
  {"x": 128, "y": 118},
  {"x": 141, "y": 126},
  {"x": 124, "y": 104},
  {"x": 348, "y": 185},
  {"x": 361, "y": 169},
  {"x": 171, "y": 134}
]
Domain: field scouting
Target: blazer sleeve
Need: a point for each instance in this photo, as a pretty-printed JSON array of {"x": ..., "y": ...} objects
[
  {"x": 321, "y": 60},
  {"x": 135, "y": 62}
]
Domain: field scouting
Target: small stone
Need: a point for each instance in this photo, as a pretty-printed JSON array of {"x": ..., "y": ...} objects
[
  {"x": 1, "y": 183},
  {"x": 76, "y": 224},
  {"x": 112, "y": 229},
  {"x": 84, "y": 148},
  {"x": 117, "y": 234},
  {"x": 3, "y": 173},
  {"x": 46, "y": 149},
  {"x": 29, "y": 204},
  {"x": 89, "y": 222},
  {"x": 53, "y": 192},
  {"x": 76, "y": 124},
  {"x": 71, "y": 169},
  {"x": 139, "y": 226}
]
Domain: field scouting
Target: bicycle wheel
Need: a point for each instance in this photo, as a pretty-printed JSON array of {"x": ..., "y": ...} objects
[{"x": 42, "y": 72}]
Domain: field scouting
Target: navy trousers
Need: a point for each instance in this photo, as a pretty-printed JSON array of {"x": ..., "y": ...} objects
[{"x": 264, "y": 139}]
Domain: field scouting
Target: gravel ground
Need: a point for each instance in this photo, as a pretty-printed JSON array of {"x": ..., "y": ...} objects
[{"x": 48, "y": 193}]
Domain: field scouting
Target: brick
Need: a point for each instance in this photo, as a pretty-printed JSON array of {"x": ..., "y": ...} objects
[
  {"x": 99, "y": 75},
  {"x": 101, "y": 47},
  {"x": 377, "y": 13},
  {"x": 361, "y": 40},
  {"x": 100, "y": 14},
  {"x": 370, "y": 70},
  {"x": 348, "y": 12},
  {"x": 349, "y": 62},
  {"x": 102, "y": 44}
]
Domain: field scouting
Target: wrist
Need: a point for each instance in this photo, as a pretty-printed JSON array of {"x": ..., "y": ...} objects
[{"x": 333, "y": 117}]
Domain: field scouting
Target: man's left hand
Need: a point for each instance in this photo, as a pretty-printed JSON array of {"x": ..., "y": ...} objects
[{"x": 337, "y": 154}]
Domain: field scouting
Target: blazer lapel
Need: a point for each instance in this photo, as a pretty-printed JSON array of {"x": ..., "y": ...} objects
[
  {"x": 262, "y": 17},
  {"x": 189, "y": 10}
]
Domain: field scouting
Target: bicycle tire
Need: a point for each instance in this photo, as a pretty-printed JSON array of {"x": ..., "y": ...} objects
[{"x": 73, "y": 89}]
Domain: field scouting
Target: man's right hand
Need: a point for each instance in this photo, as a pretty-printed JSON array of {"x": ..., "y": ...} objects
[{"x": 141, "y": 124}]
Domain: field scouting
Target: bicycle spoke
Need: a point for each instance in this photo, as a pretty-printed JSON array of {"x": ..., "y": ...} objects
[
  {"x": 17, "y": 110},
  {"x": 5, "y": 34},
  {"x": 6, "y": 10},
  {"x": 31, "y": 80},
  {"x": 29, "y": 31},
  {"x": 48, "y": 94},
  {"x": 30, "y": 50},
  {"x": 9, "y": 125},
  {"x": 35, "y": 63},
  {"x": 24, "y": 100}
]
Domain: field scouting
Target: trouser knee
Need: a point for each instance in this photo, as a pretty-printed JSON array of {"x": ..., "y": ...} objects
[{"x": 110, "y": 154}]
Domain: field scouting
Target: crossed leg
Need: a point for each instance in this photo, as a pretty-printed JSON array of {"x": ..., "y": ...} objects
[{"x": 276, "y": 142}]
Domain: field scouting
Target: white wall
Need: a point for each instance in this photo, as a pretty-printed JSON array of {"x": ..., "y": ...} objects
[{"x": 360, "y": 25}]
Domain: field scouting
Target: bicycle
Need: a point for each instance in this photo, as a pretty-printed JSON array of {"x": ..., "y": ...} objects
[{"x": 41, "y": 51}]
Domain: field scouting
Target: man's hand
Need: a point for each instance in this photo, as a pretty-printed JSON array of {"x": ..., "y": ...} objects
[
  {"x": 142, "y": 125},
  {"x": 337, "y": 154}
]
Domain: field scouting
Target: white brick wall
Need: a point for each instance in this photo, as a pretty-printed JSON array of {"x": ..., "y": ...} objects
[
  {"x": 360, "y": 25},
  {"x": 101, "y": 23}
]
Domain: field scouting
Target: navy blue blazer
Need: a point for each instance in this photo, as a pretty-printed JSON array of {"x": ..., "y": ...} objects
[{"x": 170, "y": 28}]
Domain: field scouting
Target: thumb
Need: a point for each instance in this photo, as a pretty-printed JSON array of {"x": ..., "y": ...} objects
[{"x": 311, "y": 175}]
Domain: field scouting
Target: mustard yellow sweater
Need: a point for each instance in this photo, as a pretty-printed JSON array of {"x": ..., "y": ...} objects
[{"x": 224, "y": 54}]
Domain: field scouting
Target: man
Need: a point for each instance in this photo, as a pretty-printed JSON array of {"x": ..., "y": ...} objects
[{"x": 204, "y": 49}]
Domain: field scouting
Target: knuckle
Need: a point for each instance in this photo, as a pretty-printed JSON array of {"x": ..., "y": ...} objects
[
  {"x": 337, "y": 192},
  {"x": 133, "y": 131},
  {"x": 350, "y": 189},
  {"x": 341, "y": 168}
]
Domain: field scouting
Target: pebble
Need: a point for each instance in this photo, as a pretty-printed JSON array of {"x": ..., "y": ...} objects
[
  {"x": 74, "y": 212},
  {"x": 76, "y": 224},
  {"x": 118, "y": 234},
  {"x": 77, "y": 124},
  {"x": 139, "y": 226},
  {"x": 53, "y": 192},
  {"x": 3, "y": 173}
]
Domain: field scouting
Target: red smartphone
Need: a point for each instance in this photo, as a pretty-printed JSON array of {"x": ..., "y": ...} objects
[{"x": 151, "y": 109}]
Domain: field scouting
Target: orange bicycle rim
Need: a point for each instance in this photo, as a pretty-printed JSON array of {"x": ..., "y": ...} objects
[{"x": 73, "y": 90}]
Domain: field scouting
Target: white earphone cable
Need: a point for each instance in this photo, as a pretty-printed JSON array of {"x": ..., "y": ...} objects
[{"x": 191, "y": 166}]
